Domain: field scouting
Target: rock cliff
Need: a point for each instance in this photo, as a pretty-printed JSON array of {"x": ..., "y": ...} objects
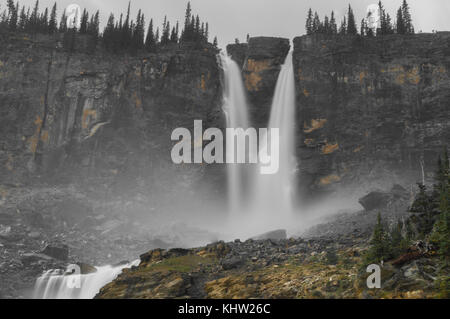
[
  {"x": 371, "y": 112},
  {"x": 100, "y": 119}
]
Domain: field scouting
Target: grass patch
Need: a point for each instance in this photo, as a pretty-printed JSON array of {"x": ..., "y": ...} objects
[{"x": 186, "y": 263}]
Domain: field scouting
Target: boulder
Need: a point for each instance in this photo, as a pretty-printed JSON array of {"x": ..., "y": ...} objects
[
  {"x": 232, "y": 262},
  {"x": 374, "y": 200},
  {"x": 60, "y": 252},
  {"x": 274, "y": 235}
]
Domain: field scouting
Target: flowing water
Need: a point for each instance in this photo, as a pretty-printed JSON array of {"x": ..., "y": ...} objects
[
  {"x": 236, "y": 113},
  {"x": 260, "y": 203},
  {"x": 257, "y": 202},
  {"x": 56, "y": 285},
  {"x": 272, "y": 199}
]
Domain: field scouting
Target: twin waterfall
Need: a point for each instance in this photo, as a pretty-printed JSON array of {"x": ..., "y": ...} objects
[
  {"x": 257, "y": 203},
  {"x": 260, "y": 203}
]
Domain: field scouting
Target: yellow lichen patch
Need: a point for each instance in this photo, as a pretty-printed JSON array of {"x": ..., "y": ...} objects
[
  {"x": 252, "y": 81},
  {"x": 400, "y": 79},
  {"x": 413, "y": 76},
  {"x": 330, "y": 148},
  {"x": 30, "y": 60},
  {"x": 362, "y": 75},
  {"x": 253, "y": 78},
  {"x": 44, "y": 136},
  {"x": 329, "y": 180},
  {"x": 309, "y": 141},
  {"x": 257, "y": 66},
  {"x": 358, "y": 149},
  {"x": 34, "y": 140},
  {"x": 137, "y": 100},
  {"x": 3, "y": 192},
  {"x": 87, "y": 115},
  {"x": 203, "y": 83},
  {"x": 315, "y": 125},
  {"x": 305, "y": 92},
  {"x": 396, "y": 69}
]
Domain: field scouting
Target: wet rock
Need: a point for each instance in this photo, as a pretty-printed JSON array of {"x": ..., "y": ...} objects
[
  {"x": 238, "y": 52},
  {"x": 86, "y": 268},
  {"x": 279, "y": 234},
  {"x": 232, "y": 262},
  {"x": 60, "y": 252},
  {"x": 374, "y": 200}
]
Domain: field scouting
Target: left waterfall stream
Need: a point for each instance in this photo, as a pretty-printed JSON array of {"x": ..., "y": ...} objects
[{"x": 55, "y": 284}]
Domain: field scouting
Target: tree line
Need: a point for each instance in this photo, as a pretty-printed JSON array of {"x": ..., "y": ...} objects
[
  {"x": 429, "y": 222},
  {"x": 385, "y": 25},
  {"x": 119, "y": 35}
]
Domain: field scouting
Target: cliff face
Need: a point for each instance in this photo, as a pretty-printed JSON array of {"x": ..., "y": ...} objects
[
  {"x": 260, "y": 68},
  {"x": 99, "y": 117},
  {"x": 371, "y": 110}
]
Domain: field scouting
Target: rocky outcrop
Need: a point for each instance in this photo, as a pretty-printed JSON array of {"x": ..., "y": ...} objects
[
  {"x": 99, "y": 118},
  {"x": 371, "y": 111},
  {"x": 261, "y": 61},
  {"x": 288, "y": 269}
]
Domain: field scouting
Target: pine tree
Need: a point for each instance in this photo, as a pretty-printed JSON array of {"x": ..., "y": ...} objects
[
  {"x": 389, "y": 27},
  {"x": 316, "y": 23},
  {"x": 150, "y": 39},
  {"x": 333, "y": 25},
  {"x": 351, "y": 24},
  {"x": 63, "y": 23},
  {"x": 400, "y": 23},
  {"x": 23, "y": 19},
  {"x": 12, "y": 15},
  {"x": 379, "y": 245},
  {"x": 382, "y": 27},
  {"x": 407, "y": 21},
  {"x": 34, "y": 19},
  {"x": 309, "y": 22},
  {"x": 215, "y": 42},
  {"x": 52, "y": 27},
  {"x": 84, "y": 22}
]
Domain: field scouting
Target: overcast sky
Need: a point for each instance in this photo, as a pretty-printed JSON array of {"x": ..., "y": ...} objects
[{"x": 230, "y": 19}]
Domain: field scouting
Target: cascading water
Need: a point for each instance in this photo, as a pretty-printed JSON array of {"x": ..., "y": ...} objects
[
  {"x": 54, "y": 284},
  {"x": 273, "y": 193},
  {"x": 269, "y": 204},
  {"x": 236, "y": 113}
]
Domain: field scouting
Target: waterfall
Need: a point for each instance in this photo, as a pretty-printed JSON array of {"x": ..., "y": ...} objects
[
  {"x": 236, "y": 113},
  {"x": 260, "y": 203},
  {"x": 272, "y": 199},
  {"x": 54, "y": 284}
]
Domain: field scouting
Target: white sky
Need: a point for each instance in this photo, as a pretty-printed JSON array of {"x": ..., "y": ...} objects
[{"x": 230, "y": 19}]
